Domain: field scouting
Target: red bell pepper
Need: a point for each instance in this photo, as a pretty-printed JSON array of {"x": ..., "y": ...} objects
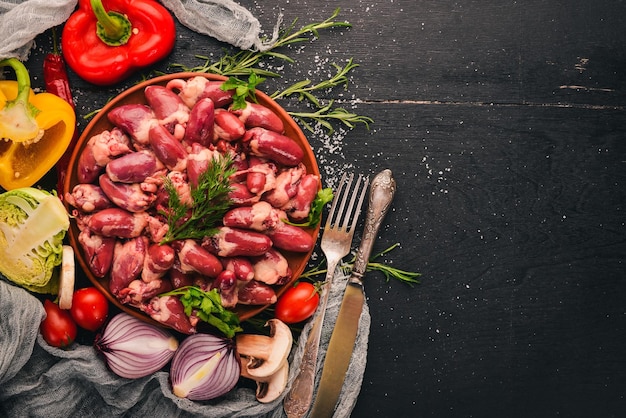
[{"x": 104, "y": 48}]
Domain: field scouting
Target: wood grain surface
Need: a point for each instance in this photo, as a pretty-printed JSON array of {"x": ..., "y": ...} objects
[{"x": 504, "y": 124}]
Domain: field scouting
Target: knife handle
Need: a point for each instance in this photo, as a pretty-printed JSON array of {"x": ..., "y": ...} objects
[{"x": 382, "y": 190}]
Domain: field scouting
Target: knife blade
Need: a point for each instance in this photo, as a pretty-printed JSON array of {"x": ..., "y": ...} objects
[{"x": 344, "y": 334}]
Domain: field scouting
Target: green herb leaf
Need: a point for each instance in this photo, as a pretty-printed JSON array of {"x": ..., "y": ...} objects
[
  {"x": 210, "y": 202},
  {"x": 244, "y": 61},
  {"x": 327, "y": 113},
  {"x": 407, "y": 277},
  {"x": 243, "y": 90},
  {"x": 247, "y": 62},
  {"x": 208, "y": 307},
  {"x": 322, "y": 197},
  {"x": 303, "y": 88},
  {"x": 404, "y": 276}
]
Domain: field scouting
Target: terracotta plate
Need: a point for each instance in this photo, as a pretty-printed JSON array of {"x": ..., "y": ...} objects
[{"x": 297, "y": 261}]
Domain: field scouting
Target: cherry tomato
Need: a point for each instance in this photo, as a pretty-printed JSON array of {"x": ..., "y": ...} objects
[
  {"x": 58, "y": 329},
  {"x": 89, "y": 308},
  {"x": 298, "y": 303}
]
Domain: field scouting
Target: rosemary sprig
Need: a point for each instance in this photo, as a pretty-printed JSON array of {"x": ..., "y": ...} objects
[
  {"x": 404, "y": 276},
  {"x": 258, "y": 322},
  {"x": 289, "y": 37},
  {"x": 315, "y": 271},
  {"x": 209, "y": 203},
  {"x": 324, "y": 113},
  {"x": 408, "y": 277},
  {"x": 328, "y": 113},
  {"x": 304, "y": 88},
  {"x": 245, "y": 62}
]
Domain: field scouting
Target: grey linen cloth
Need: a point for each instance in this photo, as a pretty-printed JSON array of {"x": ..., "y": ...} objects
[{"x": 37, "y": 380}]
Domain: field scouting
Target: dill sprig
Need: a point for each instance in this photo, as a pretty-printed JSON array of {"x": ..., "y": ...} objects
[{"x": 209, "y": 203}]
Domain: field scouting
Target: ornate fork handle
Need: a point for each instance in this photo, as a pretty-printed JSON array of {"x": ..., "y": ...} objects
[
  {"x": 299, "y": 401},
  {"x": 299, "y": 398}
]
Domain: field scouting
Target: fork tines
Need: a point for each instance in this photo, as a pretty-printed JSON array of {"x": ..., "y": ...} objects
[{"x": 339, "y": 219}]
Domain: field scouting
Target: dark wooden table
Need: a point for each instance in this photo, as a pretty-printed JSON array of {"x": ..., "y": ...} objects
[{"x": 505, "y": 126}]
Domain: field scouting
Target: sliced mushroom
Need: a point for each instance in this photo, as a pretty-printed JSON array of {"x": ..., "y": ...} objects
[
  {"x": 67, "y": 278},
  {"x": 266, "y": 354},
  {"x": 268, "y": 388}
]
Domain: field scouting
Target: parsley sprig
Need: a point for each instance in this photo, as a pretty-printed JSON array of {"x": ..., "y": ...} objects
[
  {"x": 242, "y": 89},
  {"x": 207, "y": 305},
  {"x": 209, "y": 203},
  {"x": 322, "y": 197}
]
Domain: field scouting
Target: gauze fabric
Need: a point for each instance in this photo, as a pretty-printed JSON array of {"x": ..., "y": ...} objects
[
  {"x": 224, "y": 20},
  {"x": 37, "y": 380},
  {"x": 22, "y": 20}
]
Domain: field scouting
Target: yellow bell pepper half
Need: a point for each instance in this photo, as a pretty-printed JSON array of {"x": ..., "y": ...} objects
[{"x": 25, "y": 159}]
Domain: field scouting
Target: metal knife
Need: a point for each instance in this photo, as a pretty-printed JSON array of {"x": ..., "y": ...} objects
[{"x": 341, "y": 343}]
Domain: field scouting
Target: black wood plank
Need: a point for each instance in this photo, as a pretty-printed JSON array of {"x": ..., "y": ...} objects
[
  {"x": 504, "y": 124},
  {"x": 514, "y": 215},
  {"x": 479, "y": 51}
]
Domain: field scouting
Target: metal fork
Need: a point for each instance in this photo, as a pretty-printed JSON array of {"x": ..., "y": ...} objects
[{"x": 336, "y": 243}]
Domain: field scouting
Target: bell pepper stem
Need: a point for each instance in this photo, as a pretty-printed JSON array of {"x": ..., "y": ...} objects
[
  {"x": 113, "y": 28},
  {"x": 18, "y": 116},
  {"x": 23, "y": 82}
]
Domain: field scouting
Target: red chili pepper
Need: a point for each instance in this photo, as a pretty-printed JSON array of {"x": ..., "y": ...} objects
[
  {"x": 57, "y": 82},
  {"x": 55, "y": 75},
  {"x": 105, "y": 48}
]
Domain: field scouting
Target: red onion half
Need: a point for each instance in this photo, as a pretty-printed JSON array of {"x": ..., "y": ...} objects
[
  {"x": 133, "y": 348},
  {"x": 204, "y": 367}
]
